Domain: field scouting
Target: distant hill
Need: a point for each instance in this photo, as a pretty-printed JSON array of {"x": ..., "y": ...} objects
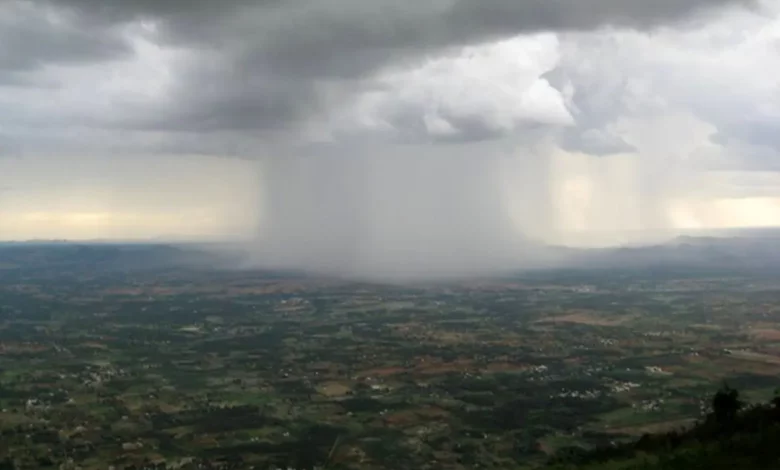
[
  {"x": 103, "y": 257},
  {"x": 725, "y": 253},
  {"x": 687, "y": 251}
]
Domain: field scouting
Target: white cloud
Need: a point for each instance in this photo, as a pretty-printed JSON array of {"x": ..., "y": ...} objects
[
  {"x": 90, "y": 107},
  {"x": 724, "y": 73},
  {"x": 601, "y": 132},
  {"x": 477, "y": 91}
]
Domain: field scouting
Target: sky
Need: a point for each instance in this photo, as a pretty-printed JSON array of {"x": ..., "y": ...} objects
[{"x": 347, "y": 135}]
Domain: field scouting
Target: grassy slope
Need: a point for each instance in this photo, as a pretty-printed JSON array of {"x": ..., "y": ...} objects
[{"x": 749, "y": 442}]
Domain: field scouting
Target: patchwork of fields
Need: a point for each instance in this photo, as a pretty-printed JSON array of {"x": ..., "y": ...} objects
[{"x": 210, "y": 369}]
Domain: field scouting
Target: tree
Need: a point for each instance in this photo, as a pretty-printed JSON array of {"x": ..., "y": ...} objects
[
  {"x": 726, "y": 405},
  {"x": 776, "y": 399}
]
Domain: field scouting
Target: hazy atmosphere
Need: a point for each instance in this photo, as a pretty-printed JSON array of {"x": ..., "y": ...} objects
[
  {"x": 395, "y": 135},
  {"x": 390, "y": 234}
]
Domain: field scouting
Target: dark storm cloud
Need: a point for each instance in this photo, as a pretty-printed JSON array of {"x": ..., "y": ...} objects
[
  {"x": 594, "y": 142},
  {"x": 764, "y": 132},
  {"x": 595, "y": 104},
  {"x": 272, "y": 55},
  {"x": 307, "y": 27},
  {"x": 409, "y": 126},
  {"x": 230, "y": 107},
  {"x": 29, "y": 39},
  {"x": 341, "y": 38},
  {"x": 755, "y": 147}
]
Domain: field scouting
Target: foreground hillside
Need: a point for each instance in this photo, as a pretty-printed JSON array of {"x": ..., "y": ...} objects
[{"x": 729, "y": 438}]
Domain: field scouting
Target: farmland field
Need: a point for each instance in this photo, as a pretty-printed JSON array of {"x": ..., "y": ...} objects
[{"x": 204, "y": 368}]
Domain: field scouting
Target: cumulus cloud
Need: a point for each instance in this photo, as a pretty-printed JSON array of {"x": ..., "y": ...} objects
[
  {"x": 430, "y": 137},
  {"x": 262, "y": 66},
  {"x": 722, "y": 71},
  {"x": 480, "y": 92},
  {"x": 33, "y": 34}
]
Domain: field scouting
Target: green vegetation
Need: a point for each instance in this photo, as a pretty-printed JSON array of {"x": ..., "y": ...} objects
[
  {"x": 729, "y": 438},
  {"x": 195, "y": 367}
]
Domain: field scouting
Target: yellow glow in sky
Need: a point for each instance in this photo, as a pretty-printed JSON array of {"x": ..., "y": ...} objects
[{"x": 170, "y": 197}]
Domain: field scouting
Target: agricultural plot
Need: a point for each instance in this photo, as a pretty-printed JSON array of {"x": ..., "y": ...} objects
[{"x": 250, "y": 369}]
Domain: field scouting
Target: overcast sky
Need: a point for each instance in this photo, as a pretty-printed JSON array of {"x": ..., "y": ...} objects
[{"x": 360, "y": 133}]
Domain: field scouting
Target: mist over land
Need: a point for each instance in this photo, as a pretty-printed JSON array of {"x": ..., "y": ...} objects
[
  {"x": 713, "y": 252},
  {"x": 396, "y": 215},
  {"x": 454, "y": 210}
]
